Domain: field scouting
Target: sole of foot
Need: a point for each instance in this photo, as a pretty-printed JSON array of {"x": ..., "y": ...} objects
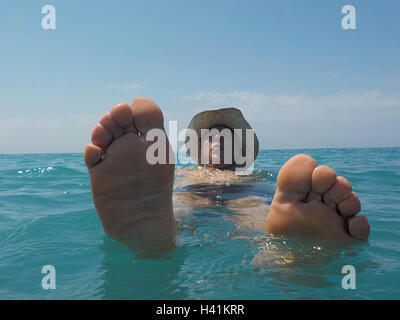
[
  {"x": 132, "y": 197},
  {"x": 312, "y": 202}
]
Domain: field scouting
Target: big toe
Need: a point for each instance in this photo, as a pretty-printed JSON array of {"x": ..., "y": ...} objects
[
  {"x": 147, "y": 115},
  {"x": 295, "y": 178}
]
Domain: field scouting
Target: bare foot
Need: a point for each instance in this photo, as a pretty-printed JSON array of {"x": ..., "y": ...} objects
[
  {"x": 132, "y": 197},
  {"x": 312, "y": 202}
]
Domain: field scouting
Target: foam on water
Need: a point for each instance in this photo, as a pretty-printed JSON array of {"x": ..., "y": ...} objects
[{"x": 47, "y": 217}]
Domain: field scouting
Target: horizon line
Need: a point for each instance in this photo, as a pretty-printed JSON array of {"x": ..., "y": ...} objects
[{"x": 263, "y": 149}]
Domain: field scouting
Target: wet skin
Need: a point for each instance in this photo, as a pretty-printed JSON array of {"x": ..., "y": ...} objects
[{"x": 134, "y": 199}]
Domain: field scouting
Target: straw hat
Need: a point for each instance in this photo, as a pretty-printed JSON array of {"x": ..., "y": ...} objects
[{"x": 228, "y": 117}]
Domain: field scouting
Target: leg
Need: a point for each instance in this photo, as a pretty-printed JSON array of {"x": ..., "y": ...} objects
[
  {"x": 312, "y": 202},
  {"x": 132, "y": 197}
]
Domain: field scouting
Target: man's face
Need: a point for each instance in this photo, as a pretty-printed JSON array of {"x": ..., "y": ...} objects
[{"x": 217, "y": 145}]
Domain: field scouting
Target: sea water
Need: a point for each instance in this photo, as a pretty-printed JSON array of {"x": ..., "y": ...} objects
[{"x": 47, "y": 217}]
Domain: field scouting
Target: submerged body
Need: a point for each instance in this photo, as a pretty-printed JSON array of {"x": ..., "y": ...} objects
[{"x": 202, "y": 187}]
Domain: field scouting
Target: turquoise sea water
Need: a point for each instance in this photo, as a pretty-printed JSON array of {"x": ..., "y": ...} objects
[{"x": 47, "y": 218}]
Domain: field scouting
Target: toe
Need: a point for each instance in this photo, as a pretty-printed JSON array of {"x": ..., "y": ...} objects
[
  {"x": 350, "y": 206},
  {"x": 122, "y": 115},
  {"x": 101, "y": 137},
  {"x": 340, "y": 190},
  {"x": 108, "y": 122},
  {"x": 322, "y": 178},
  {"x": 147, "y": 115},
  {"x": 92, "y": 155},
  {"x": 294, "y": 178},
  {"x": 359, "y": 228}
]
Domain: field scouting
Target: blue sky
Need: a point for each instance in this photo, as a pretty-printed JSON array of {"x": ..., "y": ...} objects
[{"x": 300, "y": 79}]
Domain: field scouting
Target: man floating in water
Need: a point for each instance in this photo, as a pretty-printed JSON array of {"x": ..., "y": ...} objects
[{"x": 134, "y": 199}]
